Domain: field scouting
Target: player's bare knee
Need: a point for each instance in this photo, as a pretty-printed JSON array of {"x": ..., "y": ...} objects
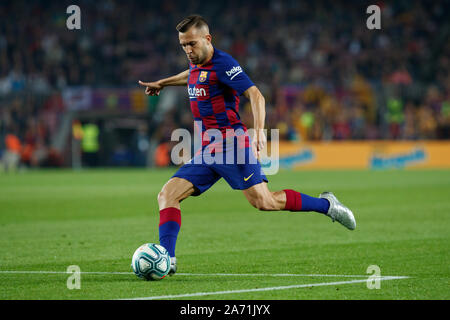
[
  {"x": 161, "y": 197},
  {"x": 164, "y": 196}
]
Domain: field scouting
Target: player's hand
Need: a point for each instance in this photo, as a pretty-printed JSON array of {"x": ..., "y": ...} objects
[
  {"x": 258, "y": 142},
  {"x": 152, "y": 88}
]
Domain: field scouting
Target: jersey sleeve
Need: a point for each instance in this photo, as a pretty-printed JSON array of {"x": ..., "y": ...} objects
[{"x": 231, "y": 74}]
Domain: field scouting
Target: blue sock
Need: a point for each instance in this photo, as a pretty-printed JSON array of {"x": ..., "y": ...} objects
[
  {"x": 169, "y": 226},
  {"x": 314, "y": 204},
  {"x": 296, "y": 201}
]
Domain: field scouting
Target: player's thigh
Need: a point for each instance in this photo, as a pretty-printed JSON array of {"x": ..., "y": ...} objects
[
  {"x": 202, "y": 176},
  {"x": 174, "y": 191},
  {"x": 262, "y": 198}
]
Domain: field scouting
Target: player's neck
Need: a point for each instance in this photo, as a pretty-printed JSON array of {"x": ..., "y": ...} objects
[{"x": 209, "y": 56}]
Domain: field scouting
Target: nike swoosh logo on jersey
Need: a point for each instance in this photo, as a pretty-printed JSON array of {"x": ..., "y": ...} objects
[{"x": 246, "y": 179}]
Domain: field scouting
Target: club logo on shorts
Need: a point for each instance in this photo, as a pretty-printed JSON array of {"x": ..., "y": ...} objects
[{"x": 203, "y": 76}]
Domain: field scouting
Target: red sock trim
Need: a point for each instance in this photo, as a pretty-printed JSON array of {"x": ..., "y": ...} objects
[
  {"x": 169, "y": 214},
  {"x": 293, "y": 200}
]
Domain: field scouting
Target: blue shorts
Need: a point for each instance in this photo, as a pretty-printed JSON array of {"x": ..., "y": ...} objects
[{"x": 241, "y": 170}]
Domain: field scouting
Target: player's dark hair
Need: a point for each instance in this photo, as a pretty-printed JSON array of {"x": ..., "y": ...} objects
[{"x": 193, "y": 20}]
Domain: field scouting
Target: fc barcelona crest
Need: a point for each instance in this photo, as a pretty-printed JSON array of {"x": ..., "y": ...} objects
[{"x": 203, "y": 76}]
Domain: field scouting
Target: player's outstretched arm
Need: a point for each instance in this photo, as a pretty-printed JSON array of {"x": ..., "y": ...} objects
[
  {"x": 258, "y": 104},
  {"x": 154, "y": 88}
]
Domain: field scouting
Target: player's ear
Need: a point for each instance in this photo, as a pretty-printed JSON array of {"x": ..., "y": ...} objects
[{"x": 208, "y": 37}]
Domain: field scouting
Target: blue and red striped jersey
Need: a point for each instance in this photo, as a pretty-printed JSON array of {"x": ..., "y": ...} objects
[{"x": 214, "y": 89}]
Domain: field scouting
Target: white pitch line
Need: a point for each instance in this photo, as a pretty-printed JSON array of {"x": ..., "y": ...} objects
[
  {"x": 198, "y": 294},
  {"x": 273, "y": 275},
  {"x": 202, "y": 274},
  {"x": 60, "y": 272}
]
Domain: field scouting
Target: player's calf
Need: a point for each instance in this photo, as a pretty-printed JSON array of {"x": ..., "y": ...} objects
[
  {"x": 260, "y": 197},
  {"x": 269, "y": 203},
  {"x": 172, "y": 193}
]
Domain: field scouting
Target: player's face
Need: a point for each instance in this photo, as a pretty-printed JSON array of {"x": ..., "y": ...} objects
[{"x": 195, "y": 44}]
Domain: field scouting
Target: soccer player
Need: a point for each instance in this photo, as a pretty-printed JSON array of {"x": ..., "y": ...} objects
[{"x": 215, "y": 82}]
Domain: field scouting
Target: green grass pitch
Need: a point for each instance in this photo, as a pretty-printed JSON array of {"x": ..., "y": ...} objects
[{"x": 95, "y": 219}]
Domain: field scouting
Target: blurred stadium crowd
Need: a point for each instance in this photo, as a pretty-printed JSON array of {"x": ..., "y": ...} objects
[{"x": 324, "y": 75}]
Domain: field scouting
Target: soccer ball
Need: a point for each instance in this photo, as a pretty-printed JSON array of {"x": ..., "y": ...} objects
[{"x": 151, "y": 262}]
